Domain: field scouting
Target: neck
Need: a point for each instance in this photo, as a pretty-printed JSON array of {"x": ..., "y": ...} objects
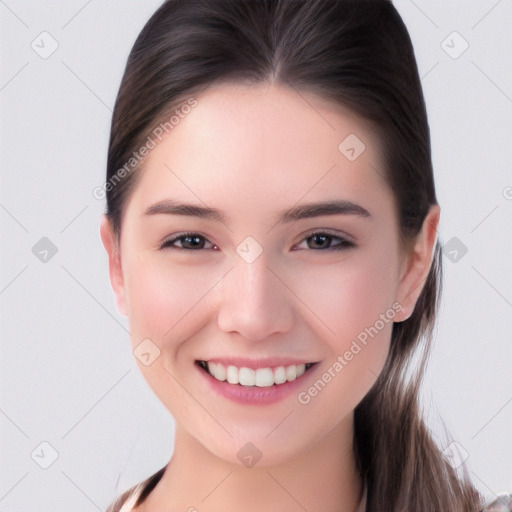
[{"x": 323, "y": 478}]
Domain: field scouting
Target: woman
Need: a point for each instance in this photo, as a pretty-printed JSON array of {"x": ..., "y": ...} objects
[{"x": 271, "y": 229}]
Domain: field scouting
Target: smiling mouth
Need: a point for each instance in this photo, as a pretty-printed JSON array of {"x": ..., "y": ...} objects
[{"x": 261, "y": 377}]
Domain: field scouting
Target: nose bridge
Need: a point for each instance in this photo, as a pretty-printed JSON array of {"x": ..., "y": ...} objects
[{"x": 253, "y": 301}]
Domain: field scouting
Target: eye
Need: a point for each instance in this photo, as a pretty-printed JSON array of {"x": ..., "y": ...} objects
[
  {"x": 189, "y": 242},
  {"x": 325, "y": 241}
]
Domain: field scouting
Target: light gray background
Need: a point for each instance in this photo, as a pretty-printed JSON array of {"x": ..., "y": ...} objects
[{"x": 68, "y": 375}]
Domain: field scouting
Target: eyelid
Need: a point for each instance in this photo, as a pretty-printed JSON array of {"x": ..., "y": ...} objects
[
  {"x": 167, "y": 242},
  {"x": 329, "y": 232},
  {"x": 345, "y": 239}
]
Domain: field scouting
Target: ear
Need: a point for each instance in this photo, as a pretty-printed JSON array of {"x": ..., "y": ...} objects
[
  {"x": 111, "y": 244},
  {"x": 417, "y": 264}
]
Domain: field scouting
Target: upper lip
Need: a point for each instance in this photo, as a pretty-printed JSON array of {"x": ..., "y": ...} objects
[{"x": 254, "y": 364}]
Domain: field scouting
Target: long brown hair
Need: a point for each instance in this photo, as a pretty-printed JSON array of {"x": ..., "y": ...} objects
[{"x": 356, "y": 53}]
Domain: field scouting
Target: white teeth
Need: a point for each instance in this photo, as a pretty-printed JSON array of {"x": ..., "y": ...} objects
[
  {"x": 246, "y": 377},
  {"x": 291, "y": 373},
  {"x": 232, "y": 374},
  {"x": 218, "y": 371},
  {"x": 262, "y": 377},
  {"x": 280, "y": 374}
]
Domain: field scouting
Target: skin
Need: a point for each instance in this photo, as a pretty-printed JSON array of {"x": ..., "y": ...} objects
[{"x": 252, "y": 152}]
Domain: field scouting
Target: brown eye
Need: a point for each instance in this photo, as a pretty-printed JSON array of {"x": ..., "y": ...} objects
[
  {"x": 325, "y": 241},
  {"x": 319, "y": 241},
  {"x": 188, "y": 241}
]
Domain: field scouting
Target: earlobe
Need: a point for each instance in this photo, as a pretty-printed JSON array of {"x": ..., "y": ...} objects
[
  {"x": 418, "y": 263},
  {"x": 110, "y": 242}
]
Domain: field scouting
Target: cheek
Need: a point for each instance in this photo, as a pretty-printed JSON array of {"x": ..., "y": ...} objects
[
  {"x": 354, "y": 302},
  {"x": 167, "y": 302},
  {"x": 348, "y": 296},
  {"x": 350, "y": 306}
]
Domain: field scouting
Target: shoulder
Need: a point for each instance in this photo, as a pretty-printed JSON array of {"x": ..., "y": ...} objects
[
  {"x": 503, "y": 503},
  {"x": 134, "y": 496}
]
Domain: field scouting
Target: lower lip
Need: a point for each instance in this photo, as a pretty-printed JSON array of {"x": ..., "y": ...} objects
[{"x": 254, "y": 395}]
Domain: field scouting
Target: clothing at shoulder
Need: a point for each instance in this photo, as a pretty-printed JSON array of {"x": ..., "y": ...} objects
[{"x": 503, "y": 503}]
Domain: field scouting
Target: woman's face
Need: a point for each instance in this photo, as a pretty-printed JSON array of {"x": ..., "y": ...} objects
[{"x": 261, "y": 235}]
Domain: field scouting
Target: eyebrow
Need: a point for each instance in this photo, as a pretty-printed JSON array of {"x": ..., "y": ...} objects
[
  {"x": 336, "y": 207},
  {"x": 171, "y": 207},
  {"x": 339, "y": 207}
]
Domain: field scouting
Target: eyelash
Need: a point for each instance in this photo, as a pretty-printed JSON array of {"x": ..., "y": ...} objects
[
  {"x": 167, "y": 244},
  {"x": 344, "y": 243}
]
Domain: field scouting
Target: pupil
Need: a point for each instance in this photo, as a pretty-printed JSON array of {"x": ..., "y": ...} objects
[
  {"x": 320, "y": 240},
  {"x": 193, "y": 241}
]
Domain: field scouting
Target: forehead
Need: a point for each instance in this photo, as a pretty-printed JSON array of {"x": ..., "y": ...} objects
[{"x": 263, "y": 147}]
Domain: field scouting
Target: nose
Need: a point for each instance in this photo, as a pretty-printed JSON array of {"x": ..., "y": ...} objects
[{"x": 254, "y": 302}]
